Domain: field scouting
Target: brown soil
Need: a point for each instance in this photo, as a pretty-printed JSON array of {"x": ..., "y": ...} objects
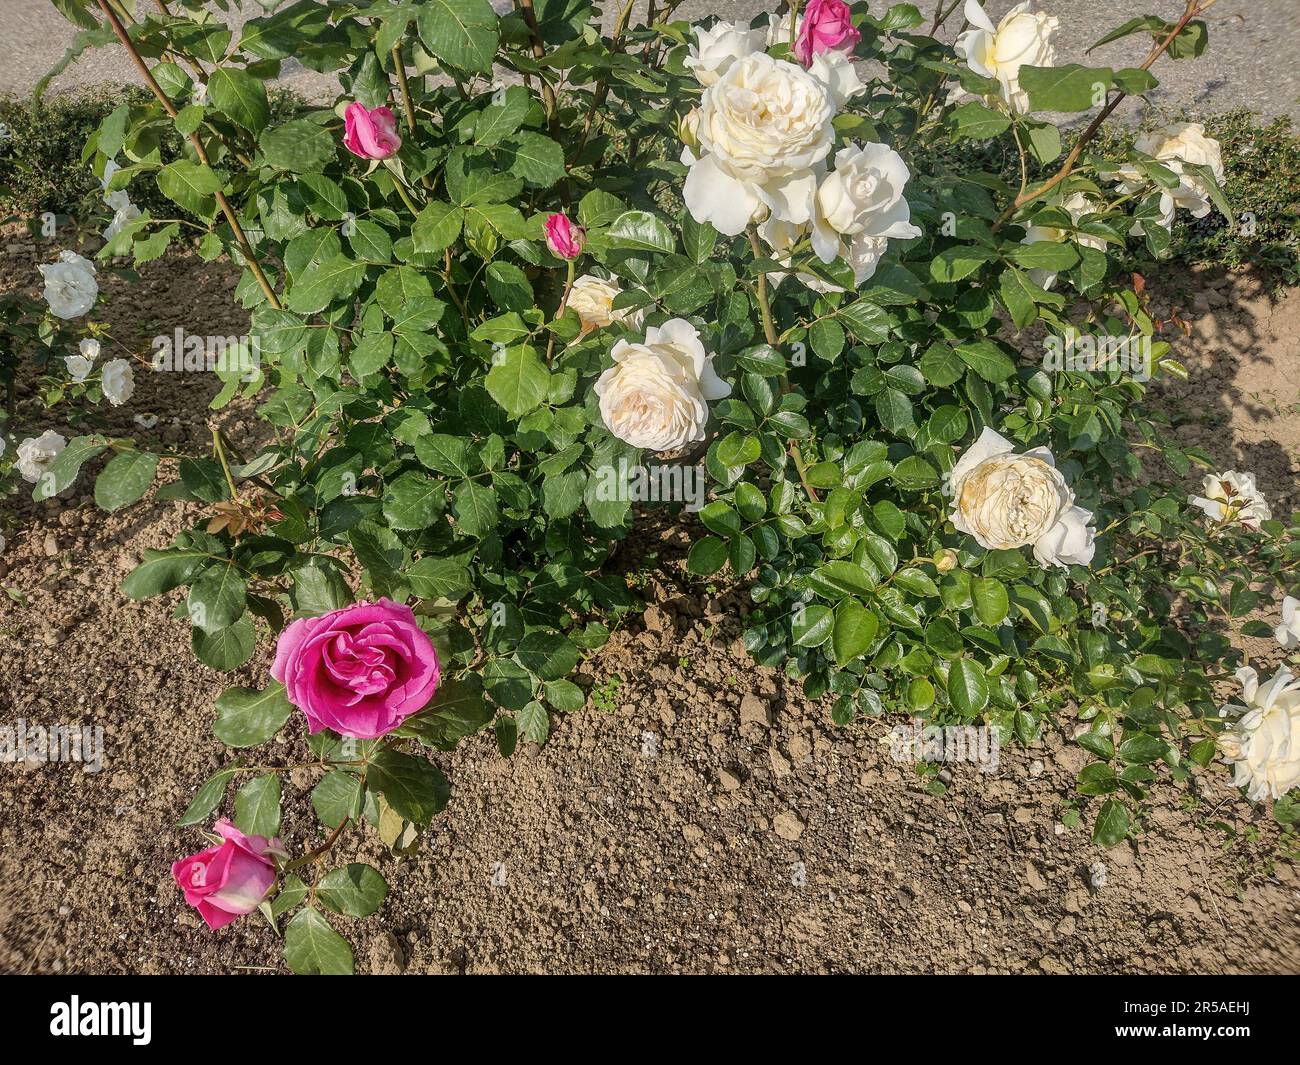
[{"x": 708, "y": 818}]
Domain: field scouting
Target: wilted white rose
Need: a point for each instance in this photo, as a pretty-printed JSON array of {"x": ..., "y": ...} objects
[
  {"x": 862, "y": 196},
  {"x": 1006, "y": 500},
  {"x": 593, "y": 299},
  {"x": 718, "y": 47},
  {"x": 118, "y": 381},
  {"x": 838, "y": 76},
  {"x": 763, "y": 128},
  {"x": 1288, "y": 633},
  {"x": 89, "y": 348},
  {"x": 78, "y": 367},
  {"x": 1232, "y": 496},
  {"x": 37, "y": 452},
  {"x": 1173, "y": 146},
  {"x": 1263, "y": 744},
  {"x": 1020, "y": 39},
  {"x": 70, "y": 286},
  {"x": 654, "y": 396}
]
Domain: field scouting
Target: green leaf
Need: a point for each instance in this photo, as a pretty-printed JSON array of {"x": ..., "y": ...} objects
[
  {"x": 463, "y": 33},
  {"x": 536, "y": 158},
  {"x": 535, "y": 722},
  {"x": 207, "y": 798},
  {"x": 337, "y": 797},
  {"x": 125, "y": 479},
  {"x": 1112, "y": 823},
  {"x": 226, "y": 649},
  {"x": 218, "y": 598},
  {"x": 812, "y": 625},
  {"x": 967, "y": 687},
  {"x": 436, "y": 227},
  {"x": 707, "y": 555},
  {"x": 413, "y": 501},
  {"x": 64, "y": 469},
  {"x": 438, "y": 578},
  {"x": 312, "y": 947},
  {"x": 190, "y": 185},
  {"x": 986, "y": 359},
  {"x": 356, "y": 890},
  {"x": 299, "y": 146},
  {"x": 247, "y": 717},
  {"x": 257, "y": 806},
  {"x": 641, "y": 231},
  {"x": 991, "y": 603},
  {"x": 414, "y": 787},
  {"x": 547, "y": 655},
  {"x": 161, "y": 571},
  {"x": 1051, "y": 255},
  {"x": 974, "y": 121},
  {"x": 241, "y": 96},
  {"x": 518, "y": 380},
  {"x": 475, "y": 507},
  {"x": 1142, "y": 748},
  {"x": 953, "y": 264},
  {"x": 1066, "y": 88},
  {"x": 855, "y": 629}
]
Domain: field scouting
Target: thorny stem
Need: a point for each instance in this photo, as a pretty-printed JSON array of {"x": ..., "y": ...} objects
[
  {"x": 941, "y": 16},
  {"x": 1193, "y": 9},
  {"x": 245, "y": 248},
  {"x": 316, "y": 853}
]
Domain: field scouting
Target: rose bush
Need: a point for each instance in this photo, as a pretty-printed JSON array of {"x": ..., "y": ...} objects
[{"x": 517, "y": 255}]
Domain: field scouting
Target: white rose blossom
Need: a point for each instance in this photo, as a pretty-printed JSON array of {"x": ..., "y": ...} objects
[
  {"x": 862, "y": 196},
  {"x": 1263, "y": 744},
  {"x": 70, "y": 285},
  {"x": 1288, "y": 633},
  {"x": 118, "y": 381},
  {"x": 763, "y": 128},
  {"x": 592, "y": 299},
  {"x": 1232, "y": 496},
  {"x": 1006, "y": 500},
  {"x": 655, "y": 395},
  {"x": 838, "y": 76},
  {"x": 37, "y": 452},
  {"x": 1172, "y": 147},
  {"x": 78, "y": 367},
  {"x": 1020, "y": 39},
  {"x": 89, "y": 348},
  {"x": 718, "y": 47}
]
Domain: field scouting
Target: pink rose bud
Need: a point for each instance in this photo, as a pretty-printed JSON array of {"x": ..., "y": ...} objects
[
  {"x": 370, "y": 134},
  {"x": 229, "y": 880},
  {"x": 360, "y": 671},
  {"x": 825, "y": 25},
  {"x": 563, "y": 237}
]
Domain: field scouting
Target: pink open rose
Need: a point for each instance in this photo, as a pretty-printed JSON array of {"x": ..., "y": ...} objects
[
  {"x": 360, "y": 671},
  {"x": 229, "y": 880},
  {"x": 370, "y": 134},
  {"x": 564, "y": 238},
  {"x": 825, "y": 25}
]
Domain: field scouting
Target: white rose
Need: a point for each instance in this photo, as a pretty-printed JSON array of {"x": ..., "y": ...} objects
[
  {"x": 1020, "y": 39},
  {"x": 123, "y": 215},
  {"x": 778, "y": 29},
  {"x": 838, "y": 76},
  {"x": 1006, "y": 500},
  {"x": 1288, "y": 633},
  {"x": 862, "y": 196},
  {"x": 1232, "y": 496},
  {"x": 1172, "y": 147},
  {"x": 78, "y": 367},
  {"x": 70, "y": 286},
  {"x": 863, "y": 253},
  {"x": 654, "y": 395},
  {"x": 718, "y": 47},
  {"x": 1263, "y": 745},
  {"x": 89, "y": 348},
  {"x": 37, "y": 452},
  {"x": 593, "y": 299},
  {"x": 764, "y": 126},
  {"x": 118, "y": 381}
]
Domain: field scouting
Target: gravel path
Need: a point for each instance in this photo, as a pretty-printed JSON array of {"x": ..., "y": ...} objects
[{"x": 1252, "y": 61}]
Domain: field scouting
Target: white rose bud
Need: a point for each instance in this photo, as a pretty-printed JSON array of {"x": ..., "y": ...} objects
[
  {"x": 37, "y": 452},
  {"x": 118, "y": 381},
  {"x": 1230, "y": 497},
  {"x": 78, "y": 367},
  {"x": 654, "y": 396},
  {"x": 70, "y": 286},
  {"x": 1020, "y": 39},
  {"x": 1006, "y": 500},
  {"x": 764, "y": 126},
  {"x": 1263, "y": 744},
  {"x": 718, "y": 47},
  {"x": 89, "y": 348},
  {"x": 592, "y": 298}
]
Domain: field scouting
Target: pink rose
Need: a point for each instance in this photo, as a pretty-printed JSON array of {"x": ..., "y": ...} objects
[
  {"x": 563, "y": 237},
  {"x": 229, "y": 880},
  {"x": 370, "y": 134},
  {"x": 360, "y": 671},
  {"x": 825, "y": 25}
]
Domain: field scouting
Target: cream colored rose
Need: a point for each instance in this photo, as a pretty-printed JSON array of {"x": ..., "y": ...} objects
[
  {"x": 1172, "y": 147},
  {"x": 1007, "y": 500},
  {"x": 1230, "y": 497},
  {"x": 763, "y": 128},
  {"x": 1020, "y": 39},
  {"x": 37, "y": 452},
  {"x": 1263, "y": 744},
  {"x": 593, "y": 299},
  {"x": 862, "y": 196},
  {"x": 717, "y": 47},
  {"x": 838, "y": 76},
  {"x": 117, "y": 381},
  {"x": 654, "y": 396}
]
